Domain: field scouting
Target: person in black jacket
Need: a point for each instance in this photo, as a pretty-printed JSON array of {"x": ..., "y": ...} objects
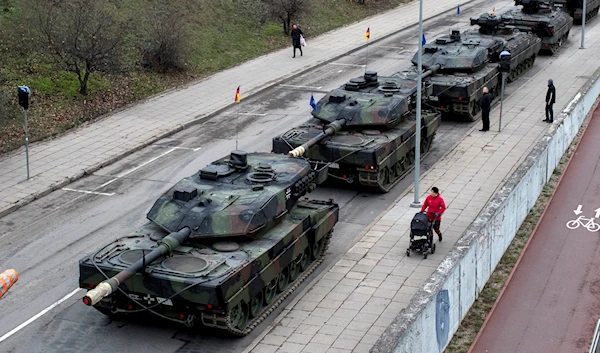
[
  {"x": 486, "y": 105},
  {"x": 550, "y": 100},
  {"x": 296, "y": 33}
]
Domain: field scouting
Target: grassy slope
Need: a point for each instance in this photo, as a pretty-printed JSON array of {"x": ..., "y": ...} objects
[{"x": 222, "y": 36}]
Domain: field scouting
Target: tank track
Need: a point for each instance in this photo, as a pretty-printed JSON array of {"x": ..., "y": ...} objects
[
  {"x": 268, "y": 309},
  {"x": 556, "y": 46},
  {"x": 411, "y": 167}
]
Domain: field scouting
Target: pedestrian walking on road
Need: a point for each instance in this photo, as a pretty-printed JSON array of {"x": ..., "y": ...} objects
[
  {"x": 435, "y": 205},
  {"x": 550, "y": 100},
  {"x": 486, "y": 105},
  {"x": 296, "y": 35}
]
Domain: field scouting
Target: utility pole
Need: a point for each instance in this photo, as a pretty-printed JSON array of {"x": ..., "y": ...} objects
[
  {"x": 583, "y": 26},
  {"x": 417, "y": 203}
]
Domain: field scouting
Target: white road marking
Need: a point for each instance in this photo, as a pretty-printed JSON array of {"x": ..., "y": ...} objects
[
  {"x": 37, "y": 316},
  {"x": 389, "y": 47},
  {"x": 257, "y": 114},
  {"x": 342, "y": 64},
  {"x": 180, "y": 148},
  {"x": 136, "y": 168},
  {"x": 297, "y": 86},
  {"x": 340, "y": 71},
  {"x": 90, "y": 192}
]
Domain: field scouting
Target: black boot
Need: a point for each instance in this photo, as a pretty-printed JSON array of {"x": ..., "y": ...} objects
[{"x": 440, "y": 236}]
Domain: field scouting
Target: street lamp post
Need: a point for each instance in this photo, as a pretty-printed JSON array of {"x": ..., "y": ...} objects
[
  {"x": 417, "y": 202},
  {"x": 583, "y": 26},
  {"x": 504, "y": 70}
]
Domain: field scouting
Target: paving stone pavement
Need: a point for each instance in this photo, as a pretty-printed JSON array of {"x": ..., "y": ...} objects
[
  {"x": 55, "y": 163},
  {"x": 350, "y": 305}
]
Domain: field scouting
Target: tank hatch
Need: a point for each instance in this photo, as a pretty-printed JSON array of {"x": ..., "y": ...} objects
[{"x": 238, "y": 195}]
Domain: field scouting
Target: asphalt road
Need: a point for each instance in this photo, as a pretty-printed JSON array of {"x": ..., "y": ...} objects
[{"x": 44, "y": 240}]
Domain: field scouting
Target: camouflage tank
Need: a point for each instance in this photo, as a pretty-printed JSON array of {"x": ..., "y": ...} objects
[
  {"x": 223, "y": 247},
  {"x": 470, "y": 60},
  {"x": 575, "y": 9},
  {"x": 539, "y": 16},
  {"x": 365, "y": 131}
]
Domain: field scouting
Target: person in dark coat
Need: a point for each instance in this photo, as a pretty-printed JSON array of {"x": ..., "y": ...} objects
[
  {"x": 550, "y": 100},
  {"x": 486, "y": 105},
  {"x": 296, "y": 33}
]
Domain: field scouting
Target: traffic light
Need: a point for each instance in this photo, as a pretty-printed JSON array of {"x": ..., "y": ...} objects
[
  {"x": 23, "y": 93},
  {"x": 505, "y": 62}
]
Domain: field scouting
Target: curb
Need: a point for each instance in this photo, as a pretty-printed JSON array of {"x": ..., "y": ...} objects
[
  {"x": 201, "y": 117},
  {"x": 489, "y": 315}
]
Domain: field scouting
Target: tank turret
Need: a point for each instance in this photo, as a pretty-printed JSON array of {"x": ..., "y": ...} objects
[
  {"x": 222, "y": 247},
  {"x": 541, "y": 17},
  {"x": 364, "y": 129}
]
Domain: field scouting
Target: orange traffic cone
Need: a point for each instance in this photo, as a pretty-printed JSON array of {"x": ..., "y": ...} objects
[{"x": 7, "y": 279}]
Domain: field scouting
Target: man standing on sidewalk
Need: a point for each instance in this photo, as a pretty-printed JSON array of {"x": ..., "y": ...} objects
[
  {"x": 435, "y": 205},
  {"x": 550, "y": 100},
  {"x": 486, "y": 105}
]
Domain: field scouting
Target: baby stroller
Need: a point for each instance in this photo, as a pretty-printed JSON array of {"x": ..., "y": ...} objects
[{"x": 421, "y": 235}]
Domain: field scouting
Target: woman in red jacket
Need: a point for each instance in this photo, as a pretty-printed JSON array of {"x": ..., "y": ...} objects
[{"x": 435, "y": 206}]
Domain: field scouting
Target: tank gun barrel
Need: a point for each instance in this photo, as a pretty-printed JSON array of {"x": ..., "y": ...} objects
[
  {"x": 330, "y": 130},
  {"x": 166, "y": 245},
  {"x": 432, "y": 70}
]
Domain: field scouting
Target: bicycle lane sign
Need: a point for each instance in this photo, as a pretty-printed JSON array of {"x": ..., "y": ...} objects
[{"x": 584, "y": 222}]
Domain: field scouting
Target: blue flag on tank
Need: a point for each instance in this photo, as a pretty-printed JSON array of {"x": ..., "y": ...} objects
[
  {"x": 312, "y": 102},
  {"x": 458, "y": 10},
  {"x": 423, "y": 40}
]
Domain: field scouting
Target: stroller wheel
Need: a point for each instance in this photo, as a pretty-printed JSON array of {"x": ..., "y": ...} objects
[{"x": 433, "y": 249}]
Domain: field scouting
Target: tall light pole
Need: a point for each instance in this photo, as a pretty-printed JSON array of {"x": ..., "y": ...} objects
[
  {"x": 505, "y": 57},
  {"x": 417, "y": 203},
  {"x": 583, "y": 26}
]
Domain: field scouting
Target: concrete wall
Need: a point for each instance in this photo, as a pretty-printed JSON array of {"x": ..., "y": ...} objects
[{"x": 436, "y": 311}]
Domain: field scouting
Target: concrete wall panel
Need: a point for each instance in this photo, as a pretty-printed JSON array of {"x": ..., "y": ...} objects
[{"x": 438, "y": 308}]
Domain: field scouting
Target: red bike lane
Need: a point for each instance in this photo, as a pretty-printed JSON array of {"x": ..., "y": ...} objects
[{"x": 552, "y": 301}]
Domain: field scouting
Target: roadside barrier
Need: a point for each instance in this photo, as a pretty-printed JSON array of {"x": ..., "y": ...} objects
[{"x": 7, "y": 279}]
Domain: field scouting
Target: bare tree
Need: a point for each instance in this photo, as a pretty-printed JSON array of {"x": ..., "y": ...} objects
[
  {"x": 286, "y": 11},
  {"x": 167, "y": 41},
  {"x": 83, "y": 35}
]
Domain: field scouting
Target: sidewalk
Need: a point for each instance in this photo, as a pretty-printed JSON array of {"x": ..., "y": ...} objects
[
  {"x": 55, "y": 163},
  {"x": 350, "y": 305},
  {"x": 550, "y": 303}
]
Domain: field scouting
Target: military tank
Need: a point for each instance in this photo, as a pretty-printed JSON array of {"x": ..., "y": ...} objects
[
  {"x": 575, "y": 9},
  {"x": 365, "y": 130},
  {"x": 223, "y": 247},
  {"x": 470, "y": 61},
  {"x": 540, "y": 17}
]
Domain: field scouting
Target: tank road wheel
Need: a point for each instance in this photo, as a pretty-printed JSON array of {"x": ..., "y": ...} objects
[
  {"x": 284, "y": 280},
  {"x": 384, "y": 176},
  {"x": 238, "y": 317},
  {"x": 317, "y": 249},
  {"x": 271, "y": 291},
  {"x": 425, "y": 145},
  {"x": 294, "y": 268},
  {"x": 256, "y": 304},
  {"x": 305, "y": 261}
]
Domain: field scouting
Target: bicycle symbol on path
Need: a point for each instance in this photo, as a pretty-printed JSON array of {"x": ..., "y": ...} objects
[
  {"x": 581, "y": 221},
  {"x": 584, "y": 222}
]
